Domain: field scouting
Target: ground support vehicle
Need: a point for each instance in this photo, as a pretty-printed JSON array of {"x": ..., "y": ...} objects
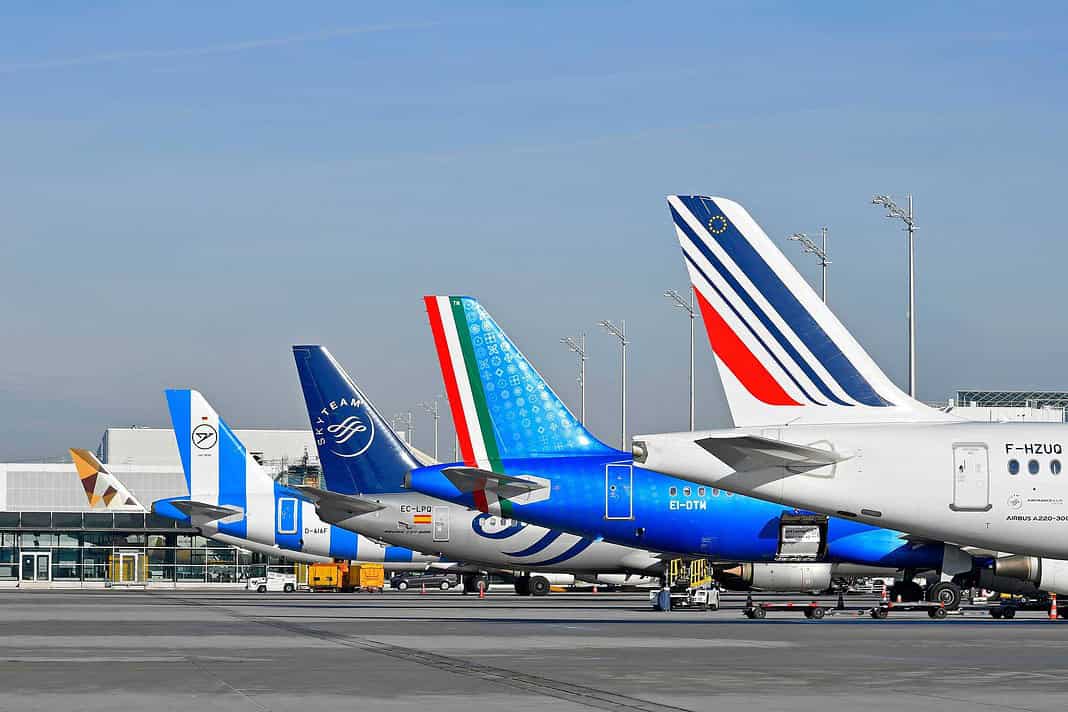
[
  {"x": 706, "y": 599},
  {"x": 273, "y": 581}
]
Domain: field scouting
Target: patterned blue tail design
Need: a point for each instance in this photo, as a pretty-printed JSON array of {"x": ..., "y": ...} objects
[
  {"x": 359, "y": 452},
  {"x": 528, "y": 418}
]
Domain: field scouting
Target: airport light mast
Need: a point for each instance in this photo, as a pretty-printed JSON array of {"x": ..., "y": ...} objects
[
  {"x": 811, "y": 247},
  {"x": 431, "y": 407},
  {"x": 620, "y": 333},
  {"x": 687, "y": 307},
  {"x": 893, "y": 211},
  {"x": 579, "y": 347}
]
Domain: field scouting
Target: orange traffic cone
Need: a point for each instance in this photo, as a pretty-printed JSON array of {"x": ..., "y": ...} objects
[
  {"x": 1053, "y": 607},
  {"x": 884, "y": 600},
  {"x": 481, "y": 589},
  {"x": 595, "y": 588},
  {"x": 424, "y": 589}
]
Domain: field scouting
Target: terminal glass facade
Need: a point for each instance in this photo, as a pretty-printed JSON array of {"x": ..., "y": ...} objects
[{"x": 117, "y": 547}]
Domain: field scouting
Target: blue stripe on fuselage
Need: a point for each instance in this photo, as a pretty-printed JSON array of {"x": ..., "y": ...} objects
[{"x": 232, "y": 476}]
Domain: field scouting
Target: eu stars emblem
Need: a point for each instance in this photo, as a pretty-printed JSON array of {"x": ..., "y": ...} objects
[{"x": 717, "y": 224}]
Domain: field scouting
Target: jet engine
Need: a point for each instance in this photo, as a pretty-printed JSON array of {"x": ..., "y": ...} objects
[
  {"x": 1048, "y": 574},
  {"x": 776, "y": 577}
]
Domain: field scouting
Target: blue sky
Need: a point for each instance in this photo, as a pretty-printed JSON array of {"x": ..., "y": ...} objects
[{"x": 190, "y": 189}]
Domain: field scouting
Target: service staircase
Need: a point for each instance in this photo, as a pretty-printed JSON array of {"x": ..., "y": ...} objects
[{"x": 688, "y": 574}]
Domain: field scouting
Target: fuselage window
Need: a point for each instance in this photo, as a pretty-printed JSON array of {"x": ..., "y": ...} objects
[
  {"x": 1055, "y": 467},
  {"x": 1032, "y": 466},
  {"x": 700, "y": 491},
  {"x": 673, "y": 491},
  {"x": 715, "y": 492},
  {"x": 686, "y": 491},
  {"x": 1014, "y": 467}
]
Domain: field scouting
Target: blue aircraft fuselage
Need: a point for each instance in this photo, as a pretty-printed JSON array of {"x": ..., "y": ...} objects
[{"x": 608, "y": 497}]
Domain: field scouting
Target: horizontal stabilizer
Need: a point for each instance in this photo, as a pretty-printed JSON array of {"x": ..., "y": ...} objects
[
  {"x": 350, "y": 503},
  {"x": 204, "y": 512},
  {"x": 472, "y": 479},
  {"x": 749, "y": 453}
]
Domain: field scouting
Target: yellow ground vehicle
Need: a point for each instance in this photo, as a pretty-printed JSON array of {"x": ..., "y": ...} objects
[{"x": 341, "y": 576}]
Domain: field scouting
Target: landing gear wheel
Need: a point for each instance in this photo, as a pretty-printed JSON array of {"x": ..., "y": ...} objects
[
  {"x": 759, "y": 613},
  {"x": 539, "y": 586},
  {"x": 522, "y": 585},
  {"x": 947, "y": 593},
  {"x": 937, "y": 613},
  {"x": 996, "y": 613},
  {"x": 910, "y": 592},
  {"x": 1009, "y": 613}
]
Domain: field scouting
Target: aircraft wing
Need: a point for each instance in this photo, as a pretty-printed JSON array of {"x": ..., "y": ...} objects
[
  {"x": 351, "y": 503},
  {"x": 472, "y": 479},
  {"x": 748, "y": 453},
  {"x": 203, "y": 512}
]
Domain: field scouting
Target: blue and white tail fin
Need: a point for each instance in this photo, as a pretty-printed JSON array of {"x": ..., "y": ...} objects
[
  {"x": 501, "y": 406},
  {"x": 782, "y": 355},
  {"x": 218, "y": 469},
  {"x": 359, "y": 451}
]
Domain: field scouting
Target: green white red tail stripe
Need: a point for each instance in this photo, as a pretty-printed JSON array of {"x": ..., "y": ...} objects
[{"x": 464, "y": 389}]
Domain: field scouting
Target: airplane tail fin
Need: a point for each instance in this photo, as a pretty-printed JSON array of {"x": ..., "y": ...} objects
[
  {"x": 782, "y": 355},
  {"x": 102, "y": 489},
  {"x": 501, "y": 406},
  {"x": 218, "y": 468},
  {"x": 359, "y": 451}
]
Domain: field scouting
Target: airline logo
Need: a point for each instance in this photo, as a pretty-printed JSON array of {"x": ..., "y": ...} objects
[
  {"x": 102, "y": 490},
  {"x": 352, "y": 433},
  {"x": 763, "y": 320}
]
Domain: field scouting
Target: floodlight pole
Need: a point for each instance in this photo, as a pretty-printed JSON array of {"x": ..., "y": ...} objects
[
  {"x": 579, "y": 347},
  {"x": 893, "y": 211},
  {"x": 687, "y": 307},
  {"x": 821, "y": 252},
  {"x": 431, "y": 407},
  {"x": 406, "y": 419},
  {"x": 620, "y": 333}
]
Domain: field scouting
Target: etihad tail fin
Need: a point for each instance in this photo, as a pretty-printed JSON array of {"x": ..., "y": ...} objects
[
  {"x": 501, "y": 406},
  {"x": 102, "y": 489},
  {"x": 359, "y": 452},
  {"x": 782, "y": 355},
  {"x": 219, "y": 470}
]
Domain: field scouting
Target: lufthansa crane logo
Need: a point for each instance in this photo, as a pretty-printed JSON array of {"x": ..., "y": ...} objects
[
  {"x": 205, "y": 437},
  {"x": 717, "y": 224}
]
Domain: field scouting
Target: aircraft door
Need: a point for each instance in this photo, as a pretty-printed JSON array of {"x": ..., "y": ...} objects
[
  {"x": 971, "y": 478},
  {"x": 618, "y": 481},
  {"x": 287, "y": 515},
  {"x": 441, "y": 523}
]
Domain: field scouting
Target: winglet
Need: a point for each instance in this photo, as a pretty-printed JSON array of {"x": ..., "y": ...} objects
[{"x": 102, "y": 489}]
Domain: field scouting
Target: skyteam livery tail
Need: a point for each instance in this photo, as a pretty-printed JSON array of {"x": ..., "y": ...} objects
[
  {"x": 102, "y": 489},
  {"x": 501, "y": 406},
  {"x": 781, "y": 354},
  {"x": 359, "y": 452}
]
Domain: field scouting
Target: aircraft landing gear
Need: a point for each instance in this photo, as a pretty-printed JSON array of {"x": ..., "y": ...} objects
[
  {"x": 522, "y": 585},
  {"x": 909, "y": 591},
  {"x": 947, "y": 593}
]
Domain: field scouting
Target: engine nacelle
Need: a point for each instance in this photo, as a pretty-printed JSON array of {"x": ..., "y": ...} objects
[
  {"x": 1048, "y": 574},
  {"x": 777, "y": 577}
]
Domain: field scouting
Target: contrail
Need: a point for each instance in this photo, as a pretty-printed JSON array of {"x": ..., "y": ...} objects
[{"x": 227, "y": 48}]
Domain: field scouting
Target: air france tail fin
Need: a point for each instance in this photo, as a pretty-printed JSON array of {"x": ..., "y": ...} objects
[
  {"x": 102, "y": 489},
  {"x": 218, "y": 468},
  {"x": 781, "y": 354},
  {"x": 501, "y": 406},
  {"x": 359, "y": 452}
]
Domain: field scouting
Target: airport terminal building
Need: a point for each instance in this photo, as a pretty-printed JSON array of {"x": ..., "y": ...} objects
[{"x": 49, "y": 536}]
